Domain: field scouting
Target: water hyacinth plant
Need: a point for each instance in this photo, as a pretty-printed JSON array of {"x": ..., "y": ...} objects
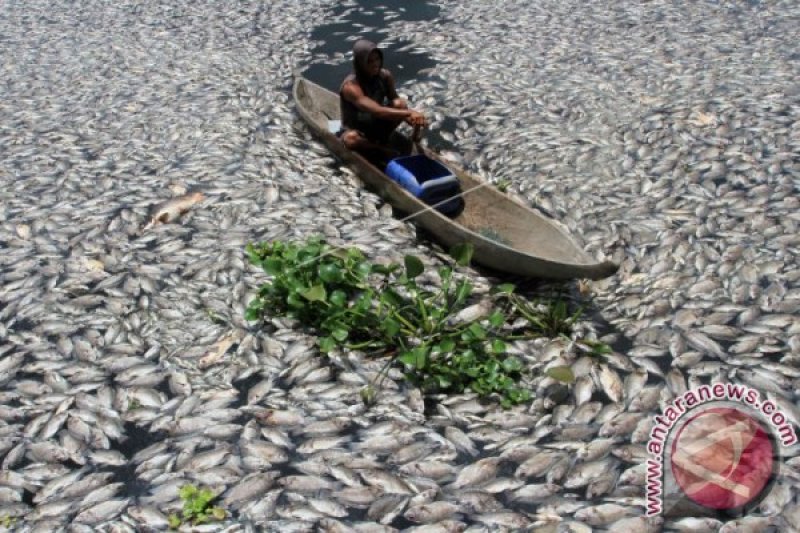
[
  {"x": 445, "y": 341},
  {"x": 197, "y": 508}
]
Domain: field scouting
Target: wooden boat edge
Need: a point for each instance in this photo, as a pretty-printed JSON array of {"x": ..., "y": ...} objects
[{"x": 522, "y": 263}]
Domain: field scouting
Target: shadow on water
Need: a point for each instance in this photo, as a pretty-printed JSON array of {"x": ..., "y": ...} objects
[
  {"x": 363, "y": 19},
  {"x": 137, "y": 439},
  {"x": 243, "y": 387}
]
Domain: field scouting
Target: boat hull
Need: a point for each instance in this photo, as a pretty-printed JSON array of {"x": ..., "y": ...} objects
[{"x": 534, "y": 246}]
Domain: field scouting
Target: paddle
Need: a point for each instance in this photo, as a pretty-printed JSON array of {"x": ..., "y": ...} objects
[{"x": 416, "y": 138}]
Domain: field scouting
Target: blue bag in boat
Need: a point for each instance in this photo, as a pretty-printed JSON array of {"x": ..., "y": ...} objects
[{"x": 428, "y": 180}]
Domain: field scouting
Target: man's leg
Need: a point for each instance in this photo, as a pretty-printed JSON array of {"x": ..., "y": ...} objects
[{"x": 354, "y": 140}]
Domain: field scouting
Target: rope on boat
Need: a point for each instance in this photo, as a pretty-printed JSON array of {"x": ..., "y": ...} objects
[{"x": 409, "y": 217}]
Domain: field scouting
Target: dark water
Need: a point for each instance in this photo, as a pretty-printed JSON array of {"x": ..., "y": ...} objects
[
  {"x": 137, "y": 439},
  {"x": 368, "y": 19}
]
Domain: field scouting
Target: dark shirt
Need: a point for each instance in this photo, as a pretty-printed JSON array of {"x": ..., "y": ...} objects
[{"x": 376, "y": 89}]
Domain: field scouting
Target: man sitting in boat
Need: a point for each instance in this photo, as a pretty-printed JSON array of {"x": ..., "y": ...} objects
[{"x": 370, "y": 106}]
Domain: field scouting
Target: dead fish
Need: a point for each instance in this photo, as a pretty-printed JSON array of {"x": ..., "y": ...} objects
[
  {"x": 220, "y": 348},
  {"x": 386, "y": 508},
  {"x": 436, "y": 470},
  {"x": 461, "y": 440},
  {"x": 603, "y": 514},
  {"x": 692, "y": 525},
  {"x": 476, "y": 473},
  {"x": 102, "y": 511},
  {"x": 534, "y": 493},
  {"x": 583, "y": 390},
  {"x": 583, "y": 473},
  {"x": 248, "y": 488},
  {"x": 594, "y": 449},
  {"x": 149, "y": 517},
  {"x": 610, "y": 382},
  {"x": 358, "y": 497},
  {"x": 538, "y": 463},
  {"x": 431, "y": 512},
  {"x": 172, "y": 210},
  {"x": 386, "y": 482}
]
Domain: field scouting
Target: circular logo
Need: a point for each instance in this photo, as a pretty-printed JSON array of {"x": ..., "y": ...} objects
[{"x": 723, "y": 458}]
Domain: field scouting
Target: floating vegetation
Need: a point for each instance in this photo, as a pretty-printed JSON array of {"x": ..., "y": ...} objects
[
  {"x": 197, "y": 508},
  {"x": 445, "y": 340}
]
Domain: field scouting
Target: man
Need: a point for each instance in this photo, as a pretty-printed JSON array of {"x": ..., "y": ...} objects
[{"x": 370, "y": 106}]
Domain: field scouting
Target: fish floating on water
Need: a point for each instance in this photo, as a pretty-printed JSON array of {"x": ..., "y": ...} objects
[
  {"x": 172, "y": 210},
  {"x": 128, "y": 372}
]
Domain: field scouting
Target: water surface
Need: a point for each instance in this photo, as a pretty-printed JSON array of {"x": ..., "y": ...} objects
[{"x": 361, "y": 19}]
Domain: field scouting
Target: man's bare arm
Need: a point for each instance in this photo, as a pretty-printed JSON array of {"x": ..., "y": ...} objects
[{"x": 353, "y": 93}]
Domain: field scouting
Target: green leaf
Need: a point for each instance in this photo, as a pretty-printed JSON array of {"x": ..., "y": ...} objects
[
  {"x": 187, "y": 491},
  {"x": 294, "y": 301},
  {"x": 415, "y": 358},
  {"x": 408, "y": 358},
  {"x": 252, "y": 254},
  {"x": 326, "y": 344},
  {"x": 272, "y": 266},
  {"x": 561, "y": 373},
  {"x": 467, "y": 356},
  {"x": 363, "y": 302},
  {"x": 340, "y": 253},
  {"x": 340, "y": 334},
  {"x": 421, "y": 354},
  {"x": 477, "y": 331},
  {"x": 498, "y": 346},
  {"x": 338, "y": 298},
  {"x": 512, "y": 364},
  {"x": 463, "y": 291},
  {"x": 314, "y": 294},
  {"x": 218, "y": 513},
  {"x": 390, "y": 297},
  {"x": 391, "y": 327},
  {"x": 355, "y": 254},
  {"x": 174, "y": 521},
  {"x": 363, "y": 270},
  {"x": 252, "y": 313},
  {"x": 447, "y": 345},
  {"x": 601, "y": 348},
  {"x": 497, "y": 319},
  {"x": 506, "y": 288},
  {"x": 206, "y": 495},
  {"x": 462, "y": 253},
  {"x": 385, "y": 269},
  {"x": 414, "y": 266},
  {"x": 330, "y": 273}
]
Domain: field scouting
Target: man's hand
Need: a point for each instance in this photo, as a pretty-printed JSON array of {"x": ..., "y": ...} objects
[{"x": 416, "y": 119}]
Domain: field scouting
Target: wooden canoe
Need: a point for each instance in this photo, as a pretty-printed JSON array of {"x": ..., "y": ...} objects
[{"x": 528, "y": 244}]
